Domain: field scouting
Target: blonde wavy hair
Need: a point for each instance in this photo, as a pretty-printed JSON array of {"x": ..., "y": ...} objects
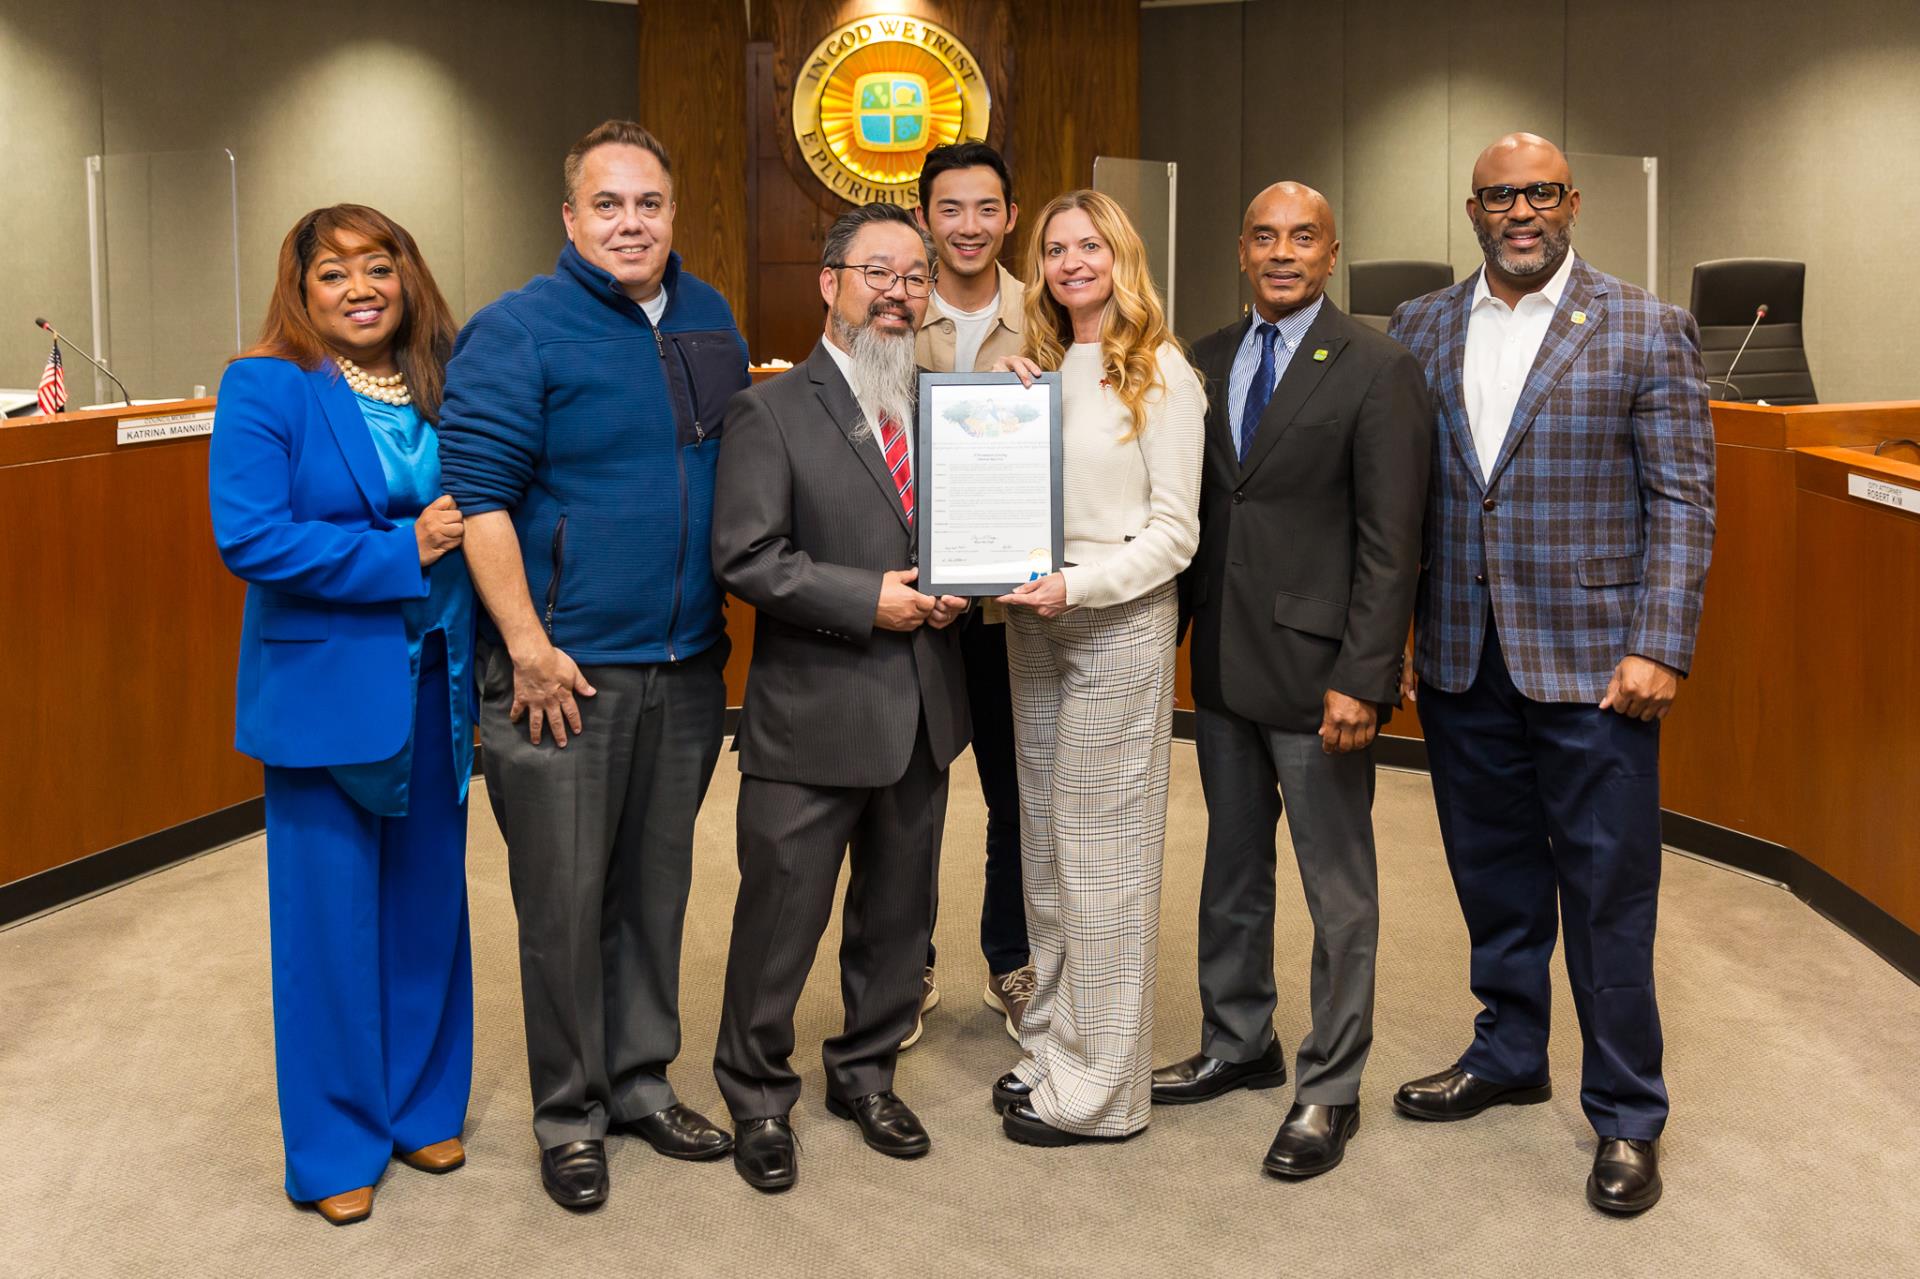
[{"x": 1135, "y": 324}]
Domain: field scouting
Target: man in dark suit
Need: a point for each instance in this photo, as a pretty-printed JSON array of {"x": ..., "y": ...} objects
[
  {"x": 1569, "y": 530},
  {"x": 1316, "y": 472},
  {"x": 856, "y": 701}
]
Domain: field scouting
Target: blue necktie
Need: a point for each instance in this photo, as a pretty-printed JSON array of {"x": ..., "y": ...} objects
[{"x": 1259, "y": 392}]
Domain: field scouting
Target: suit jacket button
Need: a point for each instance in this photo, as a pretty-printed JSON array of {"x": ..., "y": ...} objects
[
  {"x": 1239, "y": 498},
  {"x": 1487, "y": 504},
  {"x": 1480, "y": 579}
]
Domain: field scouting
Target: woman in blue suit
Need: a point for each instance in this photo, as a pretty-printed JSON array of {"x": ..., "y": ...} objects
[{"x": 355, "y": 667}]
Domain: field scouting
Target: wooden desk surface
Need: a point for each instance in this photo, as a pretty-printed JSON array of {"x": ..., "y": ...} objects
[
  {"x": 117, "y": 613},
  {"x": 1855, "y": 679},
  {"x": 1812, "y": 425}
]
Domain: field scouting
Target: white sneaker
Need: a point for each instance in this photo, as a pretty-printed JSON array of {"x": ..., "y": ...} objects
[{"x": 929, "y": 1000}]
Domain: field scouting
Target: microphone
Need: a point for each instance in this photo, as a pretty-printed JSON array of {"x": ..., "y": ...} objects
[
  {"x": 88, "y": 358},
  {"x": 1759, "y": 314}
]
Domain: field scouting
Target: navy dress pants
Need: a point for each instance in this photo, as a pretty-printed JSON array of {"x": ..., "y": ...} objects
[
  {"x": 1003, "y": 906},
  {"x": 372, "y": 966},
  {"x": 1550, "y": 813}
]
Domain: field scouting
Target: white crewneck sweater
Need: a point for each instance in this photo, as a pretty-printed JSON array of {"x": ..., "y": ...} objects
[{"x": 1132, "y": 509}]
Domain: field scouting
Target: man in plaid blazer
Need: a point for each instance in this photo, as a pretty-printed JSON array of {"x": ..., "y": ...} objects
[{"x": 1569, "y": 526}]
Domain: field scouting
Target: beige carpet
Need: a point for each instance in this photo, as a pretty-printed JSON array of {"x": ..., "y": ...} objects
[{"x": 138, "y": 1133}]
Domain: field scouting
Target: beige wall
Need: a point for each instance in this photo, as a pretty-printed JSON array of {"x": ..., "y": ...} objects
[
  {"x": 449, "y": 115},
  {"x": 1782, "y": 130}
]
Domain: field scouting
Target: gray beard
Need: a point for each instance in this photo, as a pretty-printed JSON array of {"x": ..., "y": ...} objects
[
  {"x": 1556, "y": 245},
  {"x": 882, "y": 372}
]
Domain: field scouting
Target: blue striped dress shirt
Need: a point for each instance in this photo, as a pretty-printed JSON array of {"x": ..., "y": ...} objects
[{"x": 1293, "y": 331}]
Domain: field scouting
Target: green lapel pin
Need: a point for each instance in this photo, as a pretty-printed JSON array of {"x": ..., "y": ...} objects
[
  {"x": 1579, "y": 317},
  {"x": 1320, "y": 354}
]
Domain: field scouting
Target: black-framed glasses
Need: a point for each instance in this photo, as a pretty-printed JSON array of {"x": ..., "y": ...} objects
[
  {"x": 881, "y": 279},
  {"x": 1540, "y": 195}
]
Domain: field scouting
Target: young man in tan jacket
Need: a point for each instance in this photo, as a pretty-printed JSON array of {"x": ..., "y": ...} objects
[{"x": 974, "y": 317}]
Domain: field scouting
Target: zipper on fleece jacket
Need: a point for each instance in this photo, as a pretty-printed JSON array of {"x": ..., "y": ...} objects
[
  {"x": 553, "y": 583},
  {"x": 680, "y": 460}
]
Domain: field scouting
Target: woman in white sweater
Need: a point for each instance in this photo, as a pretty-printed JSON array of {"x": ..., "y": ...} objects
[{"x": 1090, "y": 651}]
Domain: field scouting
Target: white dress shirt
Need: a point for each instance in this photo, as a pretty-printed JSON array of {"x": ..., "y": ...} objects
[{"x": 1502, "y": 344}]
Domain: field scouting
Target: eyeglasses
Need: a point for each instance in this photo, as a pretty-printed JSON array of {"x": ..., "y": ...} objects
[
  {"x": 881, "y": 280},
  {"x": 1541, "y": 195}
]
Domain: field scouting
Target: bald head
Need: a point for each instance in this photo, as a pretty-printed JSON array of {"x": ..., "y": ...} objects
[
  {"x": 1288, "y": 196},
  {"x": 1288, "y": 248},
  {"x": 1523, "y": 207},
  {"x": 1527, "y": 153}
]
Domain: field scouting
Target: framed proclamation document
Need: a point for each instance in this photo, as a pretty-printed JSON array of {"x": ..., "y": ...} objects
[{"x": 987, "y": 482}]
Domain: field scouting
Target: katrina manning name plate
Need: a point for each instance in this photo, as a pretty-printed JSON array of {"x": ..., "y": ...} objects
[{"x": 987, "y": 481}]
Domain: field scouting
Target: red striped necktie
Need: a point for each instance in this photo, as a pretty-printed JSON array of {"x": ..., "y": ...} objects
[{"x": 893, "y": 444}]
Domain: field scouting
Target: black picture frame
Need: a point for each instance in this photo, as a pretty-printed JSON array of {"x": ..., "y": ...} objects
[{"x": 927, "y": 497}]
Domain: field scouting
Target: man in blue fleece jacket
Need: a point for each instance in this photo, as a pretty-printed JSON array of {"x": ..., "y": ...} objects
[{"x": 579, "y": 434}]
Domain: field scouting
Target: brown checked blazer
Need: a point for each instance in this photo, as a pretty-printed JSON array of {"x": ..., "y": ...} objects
[{"x": 1593, "y": 537}]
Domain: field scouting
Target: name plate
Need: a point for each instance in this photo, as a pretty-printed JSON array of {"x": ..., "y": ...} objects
[
  {"x": 1898, "y": 496},
  {"x": 175, "y": 426}
]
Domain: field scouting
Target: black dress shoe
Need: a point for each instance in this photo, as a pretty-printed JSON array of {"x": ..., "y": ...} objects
[
  {"x": 1008, "y": 1092},
  {"x": 1455, "y": 1094},
  {"x": 1023, "y": 1124},
  {"x": 1202, "y": 1078},
  {"x": 679, "y": 1133},
  {"x": 886, "y": 1123},
  {"x": 1626, "y": 1176},
  {"x": 1312, "y": 1140},
  {"x": 763, "y": 1153},
  {"x": 575, "y": 1174}
]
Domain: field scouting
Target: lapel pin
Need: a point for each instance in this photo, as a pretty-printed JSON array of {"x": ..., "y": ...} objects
[
  {"x": 1320, "y": 354},
  {"x": 1579, "y": 317}
]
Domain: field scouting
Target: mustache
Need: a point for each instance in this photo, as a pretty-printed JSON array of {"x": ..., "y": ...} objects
[{"x": 886, "y": 306}]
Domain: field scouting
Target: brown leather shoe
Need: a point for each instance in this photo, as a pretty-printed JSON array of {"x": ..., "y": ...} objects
[
  {"x": 441, "y": 1156},
  {"x": 346, "y": 1207}
]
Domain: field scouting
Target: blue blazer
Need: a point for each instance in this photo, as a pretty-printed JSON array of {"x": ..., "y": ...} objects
[{"x": 299, "y": 512}]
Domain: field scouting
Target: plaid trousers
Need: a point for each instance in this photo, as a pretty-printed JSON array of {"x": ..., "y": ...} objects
[{"x": 1093, "y": 727}]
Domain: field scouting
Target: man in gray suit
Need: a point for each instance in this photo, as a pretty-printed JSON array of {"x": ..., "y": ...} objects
[
  {"x": 856, "y": 701},
  {"x": 1318, "y": 443}
]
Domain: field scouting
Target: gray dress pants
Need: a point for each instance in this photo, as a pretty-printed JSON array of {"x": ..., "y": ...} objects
[
  {"x": 792, "y": 839},
  {"x": 599, "y": 854},
  {"x": 1247, "y": 771}
]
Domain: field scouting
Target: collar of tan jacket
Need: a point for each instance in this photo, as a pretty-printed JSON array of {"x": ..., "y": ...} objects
[{"x": 936, "y": 347}]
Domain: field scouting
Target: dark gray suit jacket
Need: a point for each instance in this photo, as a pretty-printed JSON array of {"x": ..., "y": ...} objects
[
  {"x": 1310, "y": 549},
  {"x": 805, "y": 520}
]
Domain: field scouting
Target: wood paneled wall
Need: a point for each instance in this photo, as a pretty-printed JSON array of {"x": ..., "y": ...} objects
[
  {"x": 693, "y": 96},
  {"x": 1065, "y": 76},
  {"x": 1076, "y": 95}
]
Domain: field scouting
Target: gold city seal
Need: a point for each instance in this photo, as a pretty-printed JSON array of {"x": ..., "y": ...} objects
[{"x": 875, "y": 96}]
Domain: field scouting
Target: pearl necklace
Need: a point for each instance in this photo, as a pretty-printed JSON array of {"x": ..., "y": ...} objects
[{"x": 388, "y": 390}]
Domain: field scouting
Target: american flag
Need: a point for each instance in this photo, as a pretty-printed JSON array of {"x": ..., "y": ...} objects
[{"x": 53, "y": 383}]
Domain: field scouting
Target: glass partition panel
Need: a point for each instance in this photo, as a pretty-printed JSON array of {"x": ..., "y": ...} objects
[
  {"x": 165, "y": 242},
  {"x": 1619, "y": 215},
  {"x": 1146, "y": 189}
]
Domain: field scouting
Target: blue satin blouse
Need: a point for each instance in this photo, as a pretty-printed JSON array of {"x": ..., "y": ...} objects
[{"x": 409, "y": 451}]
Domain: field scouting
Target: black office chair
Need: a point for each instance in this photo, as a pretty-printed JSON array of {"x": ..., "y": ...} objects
[
  {"x": 1375, "y": 288},
  {"x": 1726, "y": 295}
]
